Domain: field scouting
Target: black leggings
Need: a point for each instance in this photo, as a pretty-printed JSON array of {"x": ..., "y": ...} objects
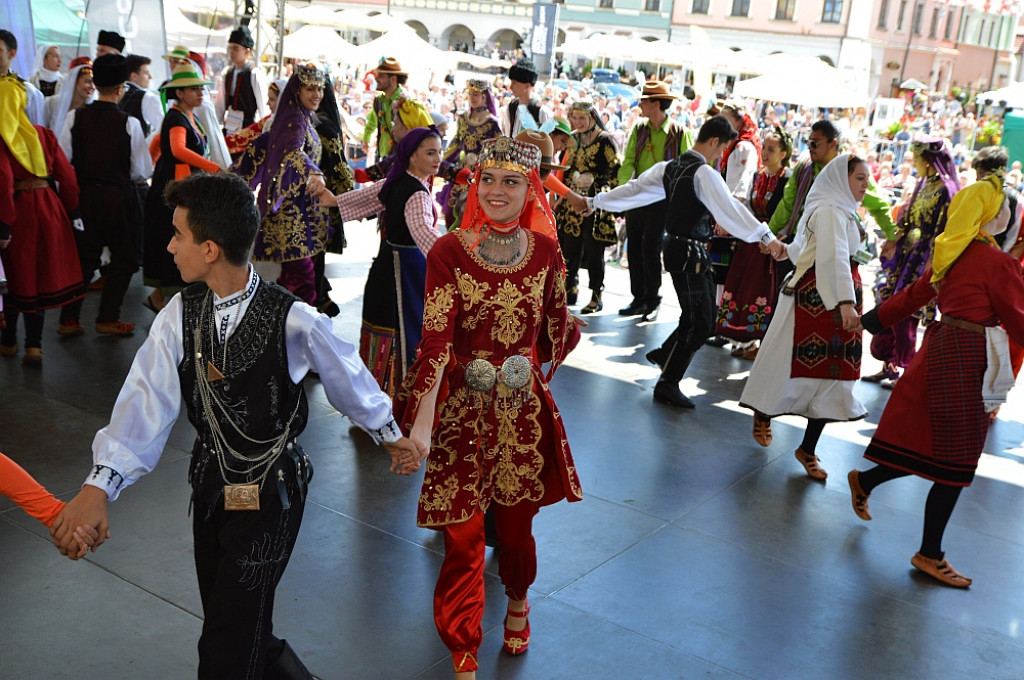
[
  {"x": 33, "y": 328},
  {"x": 812, "y": 434},
  {"x": 937, "y": 509}
]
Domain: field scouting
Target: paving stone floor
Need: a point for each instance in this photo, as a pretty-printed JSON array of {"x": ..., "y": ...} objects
[{"x": 695, "y": 554}]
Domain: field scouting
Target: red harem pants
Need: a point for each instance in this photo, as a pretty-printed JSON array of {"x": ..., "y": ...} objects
[{"x": 459, "y": 594}]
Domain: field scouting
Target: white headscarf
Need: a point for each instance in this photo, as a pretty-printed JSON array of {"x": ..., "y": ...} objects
[
  {"x": 831, "y": 188},
  {"x": 40, "y": 72},
  {"x": 61, "y": 102}
]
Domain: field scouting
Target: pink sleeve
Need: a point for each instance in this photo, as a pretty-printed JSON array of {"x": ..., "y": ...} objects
[
  {"x": 422, "y": 220},
  {"x": 360, "y": 203}
]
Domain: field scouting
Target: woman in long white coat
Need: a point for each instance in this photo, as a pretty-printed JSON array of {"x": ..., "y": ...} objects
[{"x": 810, "y": 358}]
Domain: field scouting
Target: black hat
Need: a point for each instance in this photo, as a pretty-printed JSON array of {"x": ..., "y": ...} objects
[
  {"x": 110, "y": 69},
  {"x": 523, "y": 72},
  {"x": 242, "y": 36},
  {"x": 111, "y": 39}
]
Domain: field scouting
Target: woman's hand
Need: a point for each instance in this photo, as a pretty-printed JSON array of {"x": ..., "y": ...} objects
[
  {"x": 579, "y": 322},
  {"x": 315, "y": 185},
  {"x": 325, "y": 199},
  {"x": 888, "y": 250},
  {"x": 405, "y": 457},
  {"x": 851, "y": 319}
]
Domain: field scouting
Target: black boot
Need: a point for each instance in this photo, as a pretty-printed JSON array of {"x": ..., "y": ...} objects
[
  {"x": 595, "y": 304},
  {"x": 635, "y": 307},
  {"x": 287, "y": 666},
  {"x": 667, "y": 392}
]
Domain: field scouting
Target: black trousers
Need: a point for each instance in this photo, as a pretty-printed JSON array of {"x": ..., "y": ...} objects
[
  {"x": 109, "y": 215},
  {"x": 696, "y": 292},
  {"x": 645, "y": 230},
  {"x": 33, "y": 327},
  {"x": 583, "y": 249},
  {"x": 240, "y": 557}
]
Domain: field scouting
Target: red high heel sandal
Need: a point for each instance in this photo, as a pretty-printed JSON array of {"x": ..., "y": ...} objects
[{"x": 516, "y": 641}]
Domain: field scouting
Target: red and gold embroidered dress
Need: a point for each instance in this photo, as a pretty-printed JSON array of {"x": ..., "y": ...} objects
[{"x": 504, "y": 446}]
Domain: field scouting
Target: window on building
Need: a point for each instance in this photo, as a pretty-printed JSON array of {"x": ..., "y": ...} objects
[
  {"x": 949, "y": 23},
  {"x": 784, "y": 9},
  {"x": 652, "y": 5},
  {"x": 918, "y": 17},
  {"x": 740, "y": 8},
  {"x": 832, "y": 12},
  {"x": 606, "y": 3},
  {"x": 933, "y": 32},
  {"x": 883, "y": 15},
  {"x": 902, "y": 15},
  {"x": 700, "y": 6},
  {"x": 991, "y": 32},
  {"x": 981, "y": 33}
]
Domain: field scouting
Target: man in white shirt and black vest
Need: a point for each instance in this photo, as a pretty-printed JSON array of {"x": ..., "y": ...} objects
[
  {"x": 235, "y": 349},
  {"x": 693, "y": 191},
  {"x": 523, "y": 77},
  {"x": 243, "y": 94}
]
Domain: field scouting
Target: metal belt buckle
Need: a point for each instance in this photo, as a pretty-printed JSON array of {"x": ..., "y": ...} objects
[
  {"x": 515, "y": 372},
  {"x": 481, "y": 375},
  {"x": 241, "y": 497}
]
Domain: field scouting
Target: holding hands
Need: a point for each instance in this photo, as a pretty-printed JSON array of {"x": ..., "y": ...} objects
[
  {"x": 83, "y": 524},
  {"x": 315, "y": 185},
  {"x": 851, "y": 319},
  {"x": 407, "y": 455},
  {"x": 578, "y": 203}
]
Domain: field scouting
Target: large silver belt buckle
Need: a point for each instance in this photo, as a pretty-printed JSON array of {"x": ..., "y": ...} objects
[
  {"x": 515, "y": 372},
  {"x": 481, "y": 375}
]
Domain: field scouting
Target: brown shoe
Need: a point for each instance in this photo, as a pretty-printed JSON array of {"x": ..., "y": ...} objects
[
  {"x": 810, "y": 463},
  {"x": 858, "y": 497},
  {"x": 8, "y": 351},
  {"x": 941, "y": 571},
  {"x": 762, "y": 430},
  {"x": 70, "y": 329},
  {"x": 115, "y": 328},
  {"x": 33, "y": 357}
]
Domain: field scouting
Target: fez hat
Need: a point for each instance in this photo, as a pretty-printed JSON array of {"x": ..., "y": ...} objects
[
  {"x": 391, "y": 67},
  {"x": 242, "y": 36},
  {"x": 111, "y": 39},
  {"x": 109, "y": 70},
  {"x": 542, "y": 141},
  {"x": 656, "y": 89},
  {"x": 523, "y": 72}
]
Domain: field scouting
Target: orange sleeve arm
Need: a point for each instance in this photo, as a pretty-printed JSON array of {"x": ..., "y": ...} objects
[
  {"x": 21, "y": 488},
  {"x": 554, "y": 184},
  {"x": 181, "y": 152},
  {"x": 154, "y": 147}
]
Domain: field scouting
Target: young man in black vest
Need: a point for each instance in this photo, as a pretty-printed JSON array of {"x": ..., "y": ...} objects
[
  {"x": 235, "y": 349},
  {"x": 243, "y": 95},
  {"x": 139, "y": 101},
  {"x": 693, "y": 191},
  {"x": 523, "y": 76},
  {"x": 109, "y": 153}
]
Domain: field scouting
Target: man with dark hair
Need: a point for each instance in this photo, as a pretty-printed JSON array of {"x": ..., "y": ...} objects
[
  {"x": 390, "y": 79},
  {"x": 522, "y": 76},
  {"x": 823, "y": 144},
  {"x": 656, "y": 139},
  {"x": 243, "y": 97},
  {"x": 235, "y": 348},
  {"x": 8, "y": 50},
  {"x": 109, "y": 153},
  {"x": 692, "y": 191},
  {"x": 139, "y": 101}
]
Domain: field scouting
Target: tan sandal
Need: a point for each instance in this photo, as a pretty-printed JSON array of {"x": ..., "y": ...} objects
[
  {"x": 762, "y": 430},
  {"x": 858, "y": 498},
  {"x": 941, "y": 571},
  {"x": 810, "y": 463}
]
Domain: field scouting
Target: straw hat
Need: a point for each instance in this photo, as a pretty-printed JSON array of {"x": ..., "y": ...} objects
[
  {"x": 542, "y": 141},
  {"x": 562, "y": 125},
  {"x": 184, "y": 76},
  {"x": 179, "y": 52},
  {"x": 656, "y": 89}
]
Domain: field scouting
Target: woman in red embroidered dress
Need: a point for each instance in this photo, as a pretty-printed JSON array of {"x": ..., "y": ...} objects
[
  {"x": 935, "y": 423},
  {"x": 494, "y": 313}
]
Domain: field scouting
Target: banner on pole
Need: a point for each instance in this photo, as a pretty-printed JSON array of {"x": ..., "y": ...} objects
[{"x": 543, "y": 36}]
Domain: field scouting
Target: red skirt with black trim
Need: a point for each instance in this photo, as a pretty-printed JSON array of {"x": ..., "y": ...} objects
[
  {"x": 935, "y": 424},
  {"x": 821, "y": 348}
]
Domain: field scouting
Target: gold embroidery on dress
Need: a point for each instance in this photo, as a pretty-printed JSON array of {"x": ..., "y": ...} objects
[{"x": 436, "y": 307}]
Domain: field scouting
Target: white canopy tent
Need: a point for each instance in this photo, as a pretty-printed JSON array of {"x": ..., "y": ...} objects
[
  {"x": 825, "y": 90},
  {"x": 321, "y": 43},
  {"x": 181, "y": 31},
  {"x": 1012, "y": 95}
]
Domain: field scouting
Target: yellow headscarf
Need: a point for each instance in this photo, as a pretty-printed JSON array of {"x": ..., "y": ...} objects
[
  {"x": 414, "y": 114},
  {"x": 16, "y": 129},
  {"x": 971, "y": 208}
]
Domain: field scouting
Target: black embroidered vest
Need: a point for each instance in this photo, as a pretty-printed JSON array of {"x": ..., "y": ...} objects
[
  {"x": 131, "y": 103},
  {"x": 256, "y": 390},
  {"x": 239, "y": 94},
  {"x": 396, "y": 231},
  {"x": 686, "y": 216},
  {"x": 101, "y": 146}
]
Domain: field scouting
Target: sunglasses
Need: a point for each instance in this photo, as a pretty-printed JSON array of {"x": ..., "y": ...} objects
[{"x": 813, "y": 144}]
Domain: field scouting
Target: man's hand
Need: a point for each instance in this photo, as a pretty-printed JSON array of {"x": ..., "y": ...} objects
[
  {"x": 578, "y": 203},
  {"x": 851, "y": 319},
  {"x": 777, "y": 249},
  {"x": 88, "y": 508},
  {"x": 406, "y": 455}
]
